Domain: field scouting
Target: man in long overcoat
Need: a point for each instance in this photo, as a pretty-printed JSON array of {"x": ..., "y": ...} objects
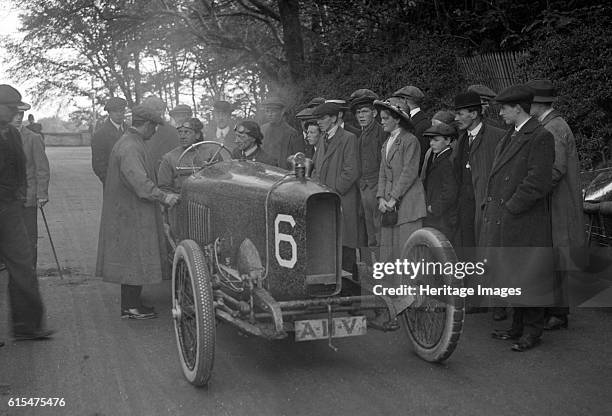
[
  {"x": 566, "y": 199},
  {"x": 516, "y": 231},
  {"x": 336, "y": 165},
  {"x": 131, "y": 245},
  {"x": 472, "y": 157},
  {"x": 105, "y": 136},
  {"x": 280, "y": 139}
]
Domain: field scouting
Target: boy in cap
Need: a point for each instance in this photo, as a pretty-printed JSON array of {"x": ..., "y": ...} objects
[
  {"x": 106, "y": 136},
  {"x": 440, "y": 182},
  {"x": 566, "y": 197},
  {"x": 345, "y": 124},
  {"x": 371, "y": 138},
  {"x": 165, "y": 137},
  {"x": 131, "y": 245},
  {"x": 516, "y": 232},
  {"x": 27, "y": 310},
  {"x": 410, "y": 101},
  {"x": 336, "y": 164},
  {"x": 280, "y": 139}
]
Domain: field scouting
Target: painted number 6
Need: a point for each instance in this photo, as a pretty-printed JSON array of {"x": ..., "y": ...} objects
[{"x": 288, "y": 238}]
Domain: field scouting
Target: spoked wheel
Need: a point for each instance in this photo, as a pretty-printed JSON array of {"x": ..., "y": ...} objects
[
  {"x": 433, "y": 323},
  {"x": 193, "y": 312}
]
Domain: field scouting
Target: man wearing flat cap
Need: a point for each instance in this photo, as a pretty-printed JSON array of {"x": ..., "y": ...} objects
[
  {"x": 27, "y": 310},
  {"x": 106, "y": 136},
  {"x": 566, "y": 197},
  {"x": 180, "y": 114},
  {"x": 166, "y": 137},
  {"x": 516, "y": 232},
  {"x": 336, "y": 164},
  {"x": 410, "y": 98},
  {"x": 280, "y": 139},
  {"x": 131, "y": 245},
  {"x": 221, "y": 129},
  {"x": 489, "y": 109},
  {"x": 370, "y": 139}
]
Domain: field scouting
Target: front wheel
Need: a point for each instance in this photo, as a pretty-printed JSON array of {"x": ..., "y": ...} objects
[
  {"x": 193, "y": 312},
  {"x": 435, "y": 323}
]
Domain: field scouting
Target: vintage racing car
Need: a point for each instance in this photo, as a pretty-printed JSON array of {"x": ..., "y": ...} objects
[{"x": 259, "y": 247}]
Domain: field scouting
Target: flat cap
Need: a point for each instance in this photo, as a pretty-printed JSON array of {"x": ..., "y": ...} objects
[
  {"x": 315, "y": 102},
  {"x": 10, "y": 96},
  {"x": 153, "y": 102},
  {"x": 305, "y": 114},
  {"x": 514, "y": 95},
  {"x": 467, "y": 99},
  {"x": 339, "y": 102},
  {"x": 411, "y": 92},
  {"x": 115, "y": 104},
  {"x": 364, "y": 92},
  {"x": 543, "y": 90},
  {"x": 223, "y": 107},
  {"x": 326, "y": 109},
  {"x": 361, "y": 101},
  {"x": 482, "y": 90},
  {"x": 444, "y": 116},
  {"x": 394, "y": 108},
  {"x": 144, "y": 113},
  {"x": 181, "y": 109},
  {"x": 274, "y": 101},
  {"x": 441, "y": 129}
]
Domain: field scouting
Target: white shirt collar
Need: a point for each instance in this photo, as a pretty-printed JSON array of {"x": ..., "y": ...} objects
[
  {"x": 221, "y": 133},
  {"x": 392, "y": 138},
  {"x": 443, "y": 151},
  {"x": 414, "y": 111},
  {"x": 332, "y": 131},
  {"x": 474, "y": 132},
  {"x": 117, "y": 126},
  {"x": 520, "y": 126},
  {"x": 250, "y": 150},
  {"x": 545, "y": 114}
]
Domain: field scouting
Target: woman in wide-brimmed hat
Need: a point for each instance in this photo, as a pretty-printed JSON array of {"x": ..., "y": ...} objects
[{"x": 399, "y": 185}]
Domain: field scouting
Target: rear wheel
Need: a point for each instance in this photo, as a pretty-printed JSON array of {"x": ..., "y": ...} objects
[
  {"x": 434, "y": 324},
  {"x": 193, "y": 312}
]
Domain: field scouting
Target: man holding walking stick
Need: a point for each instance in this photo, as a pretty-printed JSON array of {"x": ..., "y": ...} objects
[{"x": 15, "y": 251}]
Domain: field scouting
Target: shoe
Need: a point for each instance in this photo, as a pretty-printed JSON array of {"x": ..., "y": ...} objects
[
  {"x": 556, "y": 322},
  {"x": 525, "y": 343},
  {"x": 505, "y": 335},
  {"x": 32, "y": 335},
  {"x": 137, "y": 313},
  {"x": 499, "y": 314}
]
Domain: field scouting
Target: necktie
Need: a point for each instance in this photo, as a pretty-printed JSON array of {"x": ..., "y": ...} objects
[{"x": 471, "y": 138}]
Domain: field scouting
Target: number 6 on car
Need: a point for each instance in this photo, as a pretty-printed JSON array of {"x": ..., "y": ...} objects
[{"x": 260, "y": 248}]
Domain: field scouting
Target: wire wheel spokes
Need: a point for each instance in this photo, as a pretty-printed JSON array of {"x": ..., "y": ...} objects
[
  {"x": 427, "y": 319},
  {"x": 187, "y": 322}
]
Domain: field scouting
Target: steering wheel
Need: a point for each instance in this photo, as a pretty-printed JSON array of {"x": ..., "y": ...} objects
[{"x": 211, "y": 160}]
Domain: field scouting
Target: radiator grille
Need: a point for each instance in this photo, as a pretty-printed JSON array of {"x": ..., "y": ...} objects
[{"x": 199, "y": 222}]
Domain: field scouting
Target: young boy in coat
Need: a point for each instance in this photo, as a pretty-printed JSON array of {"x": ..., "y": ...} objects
[{"x": 440, "y": 183}]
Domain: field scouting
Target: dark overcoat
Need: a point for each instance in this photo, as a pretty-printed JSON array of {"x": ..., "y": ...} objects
[
  {"x": 131, "y": 244},
  {"x": 441, "y": 194},
  {"x": 517, "y": 213},
  {"x": 420, "y": 123},
  {"x": 336, "y": 165},
  {"x": 102, "y": 143},
  {"x": 472, "y": 167},
  {"x": 281, "y": 141},
  {"x": 163, "y": 141},
  {"x": 399, "y": 177}
]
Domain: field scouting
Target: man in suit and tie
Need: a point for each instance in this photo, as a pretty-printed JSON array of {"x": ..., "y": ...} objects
[
  {"x": 410, "y": 99},
  {"x": 516, "y": 234},
  {"x": 473, "y": 157},
  {"x": 221, "y": 129},
  {"x": 336, "y": 164},
  {"x": 107, "y": 135}
]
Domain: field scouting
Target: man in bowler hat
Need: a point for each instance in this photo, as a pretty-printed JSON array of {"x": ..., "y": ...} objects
[
  {"x": 516, "y": 231},
  {"x": 222, "y": 127},
  {"x": 105, "y": 137}
]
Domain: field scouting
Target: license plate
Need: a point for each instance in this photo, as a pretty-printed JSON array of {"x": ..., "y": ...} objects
[{"x": 346, "y": 326}]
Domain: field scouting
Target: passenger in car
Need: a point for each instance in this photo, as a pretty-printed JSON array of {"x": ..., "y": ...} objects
[{"x": 248, "y": 142}]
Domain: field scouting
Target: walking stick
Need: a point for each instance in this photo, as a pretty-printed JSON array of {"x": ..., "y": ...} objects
[{"x": 59, "y": 268}]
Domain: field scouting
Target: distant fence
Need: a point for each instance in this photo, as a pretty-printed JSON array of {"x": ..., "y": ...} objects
[
  {"x": 82, "y": 138},
  {"x": 495, "y": 70}
]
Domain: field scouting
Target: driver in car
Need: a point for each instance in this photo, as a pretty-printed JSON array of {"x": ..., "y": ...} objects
[
  {"x": 169, "y": 177},
  {"x": 248, "y": 142}
]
